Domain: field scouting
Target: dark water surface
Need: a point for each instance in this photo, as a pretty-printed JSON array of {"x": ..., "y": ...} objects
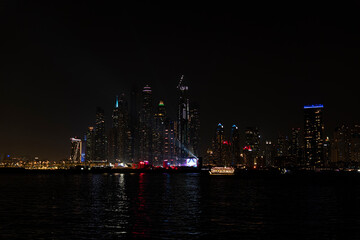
[{"x": 178, "y": 206}]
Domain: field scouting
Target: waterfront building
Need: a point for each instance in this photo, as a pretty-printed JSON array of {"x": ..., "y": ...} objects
[
  {"x": 252, "y": 146},
  {"x": 183, "y": 122},
  {"x": 90, "y": 145},
  {"x": 119, "y": 136},
  {"x": 355, "y": 145},
  {"x": 146, "y": 126},
  {"x": 341, "y": 146},
  {"x": 270, "y": 153},
  {"x": 159, "y": 146},
  {"x": 235, "y": 147},
  {"x": 76, "y": 151},
  {"x": 313, "y": 135},
  {"x": 220, "y": 147},
  {"x": 194, "y": 129},
  {"x": 134, "y": 125},
  {"x": 295, "y": 144},
  {"x": 100, "y": 136},
  {"x": 170, "y": 154}
]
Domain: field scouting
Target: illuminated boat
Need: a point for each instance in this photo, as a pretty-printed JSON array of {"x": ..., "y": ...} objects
[{"x": 222, "y": 171}]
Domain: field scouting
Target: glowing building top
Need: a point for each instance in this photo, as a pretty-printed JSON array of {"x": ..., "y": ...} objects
[{"x": 313, "y": 106}]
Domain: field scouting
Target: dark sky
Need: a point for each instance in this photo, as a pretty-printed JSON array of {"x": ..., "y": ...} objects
[{"x": 248, "y": 64}]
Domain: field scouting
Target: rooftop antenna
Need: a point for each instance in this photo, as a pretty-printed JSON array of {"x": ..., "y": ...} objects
[{"x": 181, "y": 79}]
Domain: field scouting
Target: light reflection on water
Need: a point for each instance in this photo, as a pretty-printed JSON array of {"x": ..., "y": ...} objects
[{"x": 177, "y": 206}]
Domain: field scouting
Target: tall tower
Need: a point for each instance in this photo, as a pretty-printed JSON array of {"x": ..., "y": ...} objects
[
  {"x": 123, "y": 129},
  {"x": 313, "y": 135},
  {"x": 100, "y": 137},
  {"x": 295, "y": 144},
  {"x": 219, "y": 148},
  {"x": 235, "y": 145},
  {"x": 252, "y": 146},
  {"x": 146, "y": 125},
  {"x": 194, "y": 129},
  {"x": 90, "y": 145},
  {"x": 341, "y": 146},
  {"x": 134, "y": 124},
  {"x": 183, "y": 121},
  {"x": 113, "y": 137},
  {"x": 159, "y": 134}
]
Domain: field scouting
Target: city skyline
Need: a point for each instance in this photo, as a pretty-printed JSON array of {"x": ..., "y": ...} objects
[{"x": 252, "y": 68}]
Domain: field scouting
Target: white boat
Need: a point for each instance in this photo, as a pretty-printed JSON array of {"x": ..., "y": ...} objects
[{"x": 222, "y": 171}]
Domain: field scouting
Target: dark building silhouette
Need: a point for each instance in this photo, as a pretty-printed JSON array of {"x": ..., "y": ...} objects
[
  {"x": 194, "y": 129},
  {"x": 100, "y": 136},
  {"x": 313, "y": 135},
  {"x": 90, "y": 145},
  {"x": 235, "y": 147},
  {"x": 252, "y": 146}
]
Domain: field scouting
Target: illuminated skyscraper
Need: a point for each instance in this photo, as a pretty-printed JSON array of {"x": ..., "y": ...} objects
[
  {"x": 119, "y": 135},
  {"x": 183, "y": 121},
  {"x": 194, "y": 129},
  {"x": 313, "y": 135},
  {"x": 76, "y": 150},
  {"x": 252, "y": 146},
  {"x": 134, "y": 125},
  {"x": 90, "y": 145},
  {"x": 100, "y": 137},
  {"x": 220, "y": 147},
  {"x": 146, "y": 125},
  {"x": 170, "y": 155},
  {"x": 295, "y": 143},
  {"x": 235, "y": 145},
  {"x": 113, "y": 137},
  {"x": 341, "y": 146},
  {"x": 159, "y": 135}
]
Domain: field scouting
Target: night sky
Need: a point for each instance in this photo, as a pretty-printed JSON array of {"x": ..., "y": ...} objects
[{"x": 248, "y": 64}]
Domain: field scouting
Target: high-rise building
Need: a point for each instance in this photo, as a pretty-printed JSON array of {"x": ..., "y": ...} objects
[
  {"x": 355, "y": 145},
  {"x": 113, "y": 137},
  {"x": 146, "y": 125},
  {"x": 283, "y": 146},
  {"x": 313, "y": 135},
  {"x": 134, "y": 125},
  {"x": 100, "y": 136},
  {"x": 76, "y": 150},
  {"x": 235, "y": 147},
  {"x": 341, "y": 146},
  {"x": 220, "y": 147},
  {"x": 119, "y": 136},
  {"x": 252, "y": 146},
  {"x": 159, "y": 134},
  {"x": 90, "y": 145},
  {"x": 194, "y": 129},
  {"x": 170, "y": 154},
  {"x": 270, "y": 153},
  {"x": 295, "y": 143},
  {"x": 183, "y": 122}
]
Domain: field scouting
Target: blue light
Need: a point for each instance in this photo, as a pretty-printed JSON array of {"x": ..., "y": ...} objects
[
  {"x": 234, "y": 126},
  {"x": 313, "y": 106},
  {"x": 117, "y": 102}
]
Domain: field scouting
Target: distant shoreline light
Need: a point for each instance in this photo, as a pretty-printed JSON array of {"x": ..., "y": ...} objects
[{"x": 314, "y": 106}]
